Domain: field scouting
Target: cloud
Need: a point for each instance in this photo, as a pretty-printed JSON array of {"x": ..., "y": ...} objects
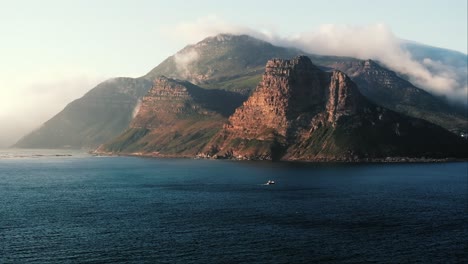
[
  {"x": 28, "y": 101},
  {"x": 183, "y": 61},
  {"x": 136, "y": 109},
  {"x": 375, "y": 42},
  {"x": 378, "y": 42}
]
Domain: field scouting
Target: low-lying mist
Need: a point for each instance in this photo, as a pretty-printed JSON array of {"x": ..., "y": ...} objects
[{"x": 25, "y": 106}]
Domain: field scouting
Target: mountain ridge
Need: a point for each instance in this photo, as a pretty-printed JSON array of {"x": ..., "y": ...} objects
[
  {"x": 102, "y": 113},
  {"x": 175, "y": 118},
  {"x": 70, "y": 125}
]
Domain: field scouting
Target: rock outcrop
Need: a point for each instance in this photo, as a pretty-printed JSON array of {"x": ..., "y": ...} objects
[
  {"x": 164, "y": 102},
  {"x": 299, "y": 112},
  {"x": 278, "y": 99}
]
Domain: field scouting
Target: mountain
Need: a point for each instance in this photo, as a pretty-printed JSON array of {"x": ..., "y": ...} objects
[
  {"x": 235, "y": 66},
  {"x": 236, "y": 63},
  {"x": 442, "y": 62},
  {"x": 100, "y": 115},
  {"x": 453, "y": 58},
  {"x": 224, "y": 62},
  {"x": 175, "y": 118},
  {"x": 299, "y": 112}
]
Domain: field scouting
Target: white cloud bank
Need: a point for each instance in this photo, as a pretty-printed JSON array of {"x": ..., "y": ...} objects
[{"x": 375, "y": 42}]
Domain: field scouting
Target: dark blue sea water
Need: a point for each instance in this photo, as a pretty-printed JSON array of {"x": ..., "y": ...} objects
[{"x": 83, "y": 209}]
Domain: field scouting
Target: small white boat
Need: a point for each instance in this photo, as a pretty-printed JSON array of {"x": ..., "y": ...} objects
[{"x": 270, "y": 182}]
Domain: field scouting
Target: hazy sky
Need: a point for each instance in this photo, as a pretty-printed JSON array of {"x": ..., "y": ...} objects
[{"x": 52, "y": 52}]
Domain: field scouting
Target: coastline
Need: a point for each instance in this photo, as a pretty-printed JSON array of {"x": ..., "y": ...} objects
[{"x": 315, "y": 160}]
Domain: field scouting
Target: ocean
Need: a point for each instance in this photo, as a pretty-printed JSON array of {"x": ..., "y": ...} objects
[{"x": 70, "y": 207}]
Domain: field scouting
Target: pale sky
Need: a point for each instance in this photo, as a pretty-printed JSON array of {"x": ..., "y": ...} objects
[{"x": 53, "y": 51}]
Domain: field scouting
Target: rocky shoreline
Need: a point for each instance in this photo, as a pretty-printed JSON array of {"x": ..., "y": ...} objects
[{"x": 261, "y": 158}]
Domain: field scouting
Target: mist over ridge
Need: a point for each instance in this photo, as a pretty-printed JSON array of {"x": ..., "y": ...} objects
[{"x": 439, "y": 71}]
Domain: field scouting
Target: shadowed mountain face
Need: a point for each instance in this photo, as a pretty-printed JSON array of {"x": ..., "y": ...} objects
[
  {"x": 386, "y": 88},
  {"x": 100, "y": 115},
  {"x": 224, "y": 62},
  {"x": 299, "y": 112},
  {"x": 175, "y": 118}
]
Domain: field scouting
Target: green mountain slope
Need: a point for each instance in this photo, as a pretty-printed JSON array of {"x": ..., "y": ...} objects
[
  {"x": 100, "y": 115},
  {"x": 223, "y": 61}
]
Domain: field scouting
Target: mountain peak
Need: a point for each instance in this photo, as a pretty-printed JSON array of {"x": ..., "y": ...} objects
[
  {"x": 169, "y": 82},
  {"x": 221, "y": 37},
  {"x": 163, "y": 79},
  {"x": 290, "y": 63},
  {"x": 295, "y": 65},
  {"x": 227, "y": 37},
  {"x": 370, "y": 63}
]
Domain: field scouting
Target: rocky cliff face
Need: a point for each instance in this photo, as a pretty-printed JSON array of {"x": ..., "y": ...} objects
[
  {"x": 278, "y": 99},
  {"x": 343, "y": 97},
  {"x": 299, "y": 112},
  {"x": 165, "y": 101},
  {"x": 175, "y": 118}
]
